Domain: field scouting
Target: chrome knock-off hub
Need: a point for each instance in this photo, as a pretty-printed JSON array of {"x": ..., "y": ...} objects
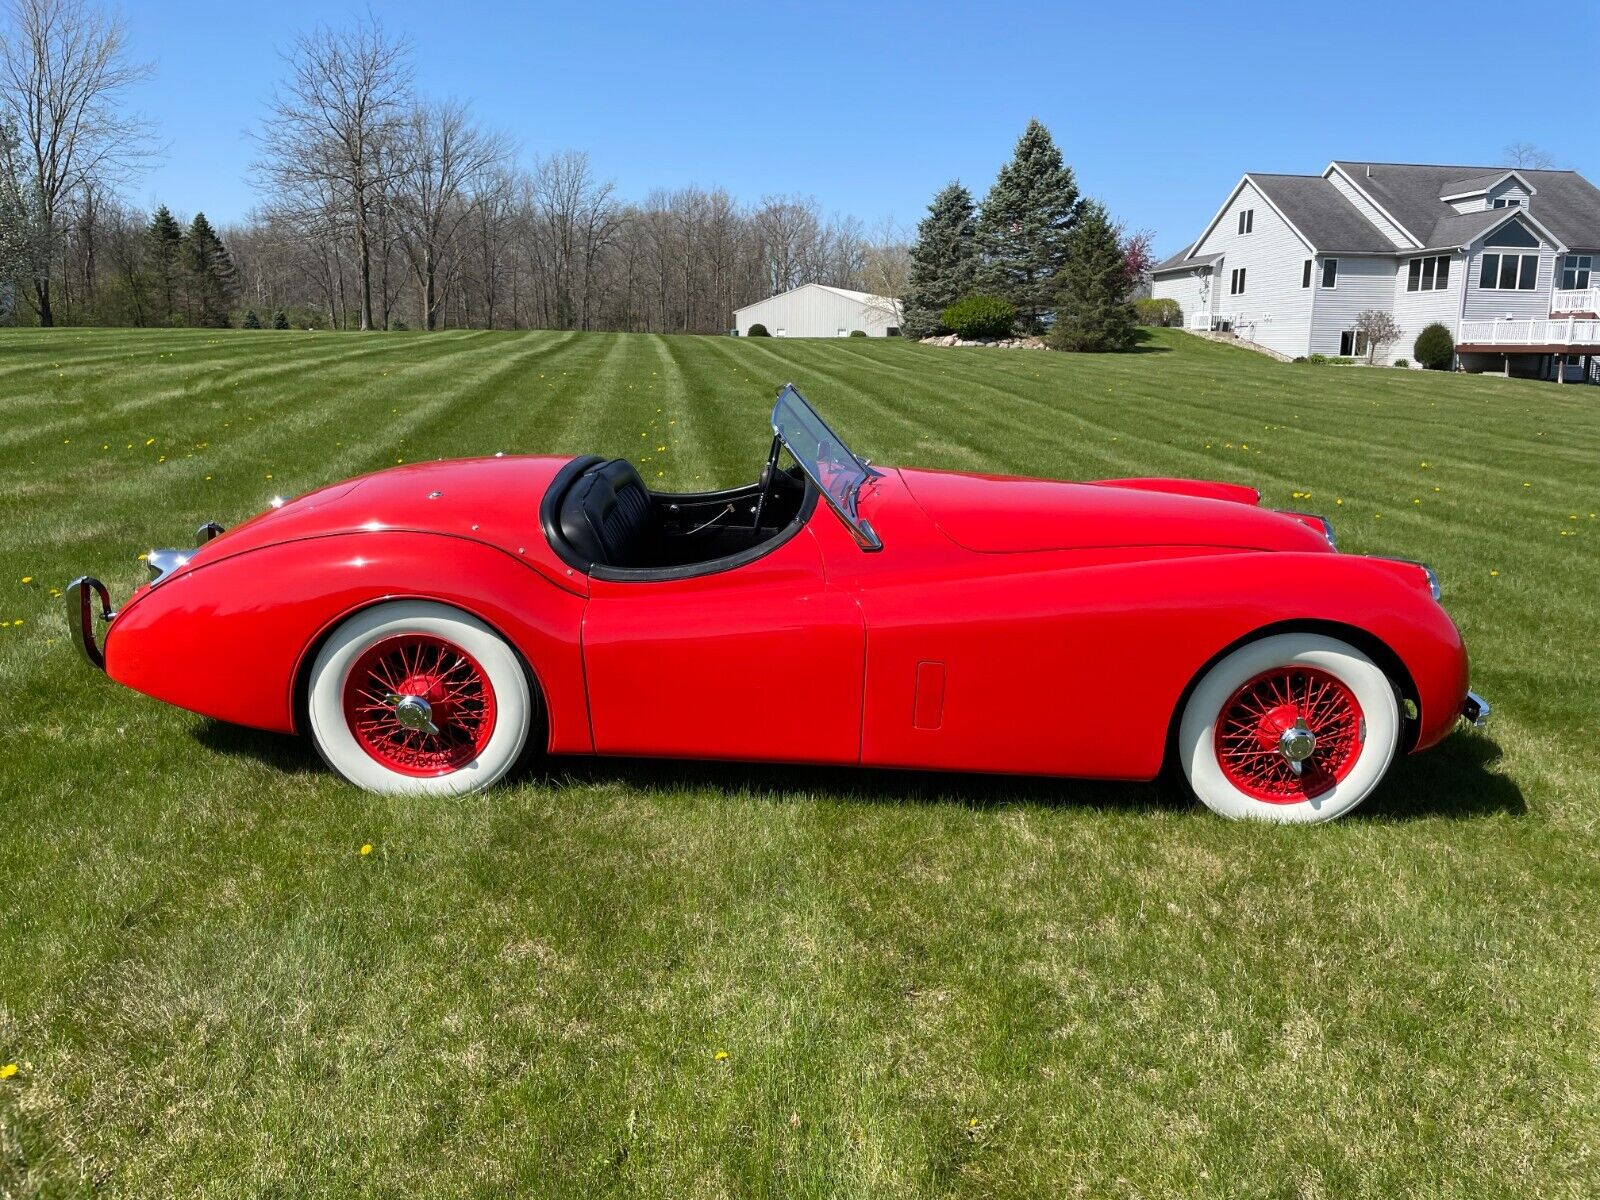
[
  {"x": 1296, "y": 744},
  {"x": 413, "y": 712}
]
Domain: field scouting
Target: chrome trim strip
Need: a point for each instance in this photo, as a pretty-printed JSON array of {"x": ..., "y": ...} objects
[{"x": 81, "y": 616}]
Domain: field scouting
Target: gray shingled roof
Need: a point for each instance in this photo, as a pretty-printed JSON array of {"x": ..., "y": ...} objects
[
  {"x": 1182, "y": 262},
  {"x": 1471, "y": 185},
  {"x": 1458, "y": 229},
  {"x": 1565, "y": 203},
  {"x": 1317, "y": 209}
]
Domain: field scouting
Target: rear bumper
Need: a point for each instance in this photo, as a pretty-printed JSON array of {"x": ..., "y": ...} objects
[
  {"x": 82, "y": 593},
  {"x": 1476, "y": 709}
]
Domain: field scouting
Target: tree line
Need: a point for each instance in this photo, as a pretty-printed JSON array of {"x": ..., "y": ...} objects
[{"x": 380, "y": 207}]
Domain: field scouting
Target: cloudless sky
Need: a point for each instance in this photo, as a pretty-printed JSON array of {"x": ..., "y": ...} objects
[{"x": 1159, "y": 107}]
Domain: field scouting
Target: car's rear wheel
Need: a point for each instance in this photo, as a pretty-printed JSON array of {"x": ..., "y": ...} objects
[
  {"x": 1295, "y": 727},
  {"x": 416, "y": 698}
]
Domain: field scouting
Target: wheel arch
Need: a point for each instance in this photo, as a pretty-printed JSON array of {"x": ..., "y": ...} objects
[
  {"x": 301, "y": 685},
  {"x": 1364, "y": 640}
]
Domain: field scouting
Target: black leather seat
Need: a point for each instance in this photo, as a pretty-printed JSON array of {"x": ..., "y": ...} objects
[{"x": 606, "y": 515}]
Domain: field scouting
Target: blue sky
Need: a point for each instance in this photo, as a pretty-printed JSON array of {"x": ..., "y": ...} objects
[{"x": 1159, "y": 107}]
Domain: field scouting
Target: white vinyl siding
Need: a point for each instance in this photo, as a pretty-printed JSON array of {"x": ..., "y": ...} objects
[
  {"x": 1368, "y": 210},
  {"x": 1363, "y": 283},
  {"x": 1415, "y": 311},
  {"x": 1190, "y": 289},
  {"x": 1507, "y": 192},
  {"x": 1485, "y": 303},
  {"x": 1274, "y": 310}
]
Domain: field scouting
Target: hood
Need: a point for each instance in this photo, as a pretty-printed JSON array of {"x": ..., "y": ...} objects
[
  {"x": 1002, "y": 514},
  {"x": 490, "y": 500}
]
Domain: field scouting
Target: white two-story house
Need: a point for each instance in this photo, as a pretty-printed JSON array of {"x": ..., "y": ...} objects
[{"x": 1507, "y": 259}]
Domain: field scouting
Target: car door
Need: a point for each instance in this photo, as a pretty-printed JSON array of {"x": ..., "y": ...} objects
[{"x": 763, "y": 662}]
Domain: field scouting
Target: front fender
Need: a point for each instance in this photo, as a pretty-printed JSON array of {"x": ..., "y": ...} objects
[{"x": 227, "y": 639}]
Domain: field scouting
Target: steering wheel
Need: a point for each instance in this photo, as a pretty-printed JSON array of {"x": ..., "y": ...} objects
[{"x": 769, "y": 475}]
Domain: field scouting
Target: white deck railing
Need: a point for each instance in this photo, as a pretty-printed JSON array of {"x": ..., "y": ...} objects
[
  {"x": 1207, "y": 321},
  {"x": 1555, "y": 331},
  {"x": 1586, "y": 300}
]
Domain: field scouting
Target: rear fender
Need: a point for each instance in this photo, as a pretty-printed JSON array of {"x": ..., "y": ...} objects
[{"x": 229, "y": 639}]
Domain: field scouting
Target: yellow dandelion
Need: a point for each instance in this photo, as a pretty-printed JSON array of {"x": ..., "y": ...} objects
[
  {"x": 149, "y": 441},
  {"x": 7, "y": 1071},
  {"x": 27, "y": 579},
  {"x": 1494, "y": 572},
  {"x": 366, "y": 849},
  {"x": 720, "y": 1055}
]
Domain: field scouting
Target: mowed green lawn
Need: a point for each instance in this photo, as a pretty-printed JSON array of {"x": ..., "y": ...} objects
[{"x": 716, "y": 980}]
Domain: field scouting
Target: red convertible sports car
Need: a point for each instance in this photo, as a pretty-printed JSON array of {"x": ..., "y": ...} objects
[{"x": 428, "y": 625}]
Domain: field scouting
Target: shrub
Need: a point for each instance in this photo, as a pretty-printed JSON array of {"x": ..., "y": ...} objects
[
  {"x": 251, "y": 321},
  {"x": 858, "y": 333},
  {"x": 1316, "y": 360},
  {"x": 279, "y": 320},
  {"x": 758, "y": 330},
  {"x": 980, "y": 317},
  {"x": 1166, "y": 311},
  {"x": 1341, "y": 361},
  {"x": 1435, "y": 347},
  {"x": 1300, "y": 358},
  {"x": 1400, "y": 362},
  {"x": 398, "y": 325}
]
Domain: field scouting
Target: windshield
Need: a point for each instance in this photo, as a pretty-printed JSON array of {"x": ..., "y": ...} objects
[{"x": 822, "y": 456}]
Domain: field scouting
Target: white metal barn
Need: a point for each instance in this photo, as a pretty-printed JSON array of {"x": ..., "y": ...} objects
[{"x": 815, "y": 310}]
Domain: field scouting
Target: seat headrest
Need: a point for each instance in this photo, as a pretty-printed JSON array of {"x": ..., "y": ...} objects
[{"x": 605, "y": 514}]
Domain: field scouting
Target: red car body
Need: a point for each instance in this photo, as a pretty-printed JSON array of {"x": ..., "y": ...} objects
[{"x": 1005, "y": 625}]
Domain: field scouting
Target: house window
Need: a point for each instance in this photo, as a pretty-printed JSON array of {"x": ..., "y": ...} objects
[
  {"x": 1512, "y": 233},
  {"x": 1352, "y": 343},
  {"x": 1247, "y": 221},
  {"x": 1509, "y": 272},
  {"x": 1330, "y": 272},
  {"x": 1431, "y": 274},
  {"x": 1236, "y": 282},
  {"x": 1305, "y": 274},
  {"x": 1575, "y": 270},
  {"x": 1506, "y": 202}
]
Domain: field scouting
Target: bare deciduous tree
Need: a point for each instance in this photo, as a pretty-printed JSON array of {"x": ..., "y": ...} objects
[
  {"x": 63, "y": 71},
  {"x": 1380, "y": 330},
  {"x": 442, "y": 153},
  {"x": 1526, "y": 154},
  {"x": 330, "y": 139}
]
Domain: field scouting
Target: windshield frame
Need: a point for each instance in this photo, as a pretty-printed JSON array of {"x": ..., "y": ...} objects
[{"x": 847, "y": 505}]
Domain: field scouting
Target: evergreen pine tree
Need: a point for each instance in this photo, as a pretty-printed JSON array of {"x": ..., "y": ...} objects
[
  {"x": 251, "y": 321},
  {"x": 1024, "y": 223},
  {"x": 212, "y": 278},
  {"x": 1092, "y": 308},
  {"x": 164, "y": 252},
  {"x": 944, "y": 261},
  {"x": 279, "y": 321}
]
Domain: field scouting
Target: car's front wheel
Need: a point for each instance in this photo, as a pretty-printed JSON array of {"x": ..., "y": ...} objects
[
  {"x": 416, "y": 698},
  {"x": 1295, "y": 727}
]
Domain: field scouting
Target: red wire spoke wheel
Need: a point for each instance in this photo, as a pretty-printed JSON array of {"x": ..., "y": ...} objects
[
  {"x": 1267, "y": 712},
  {"x": 419, "y": 705}
]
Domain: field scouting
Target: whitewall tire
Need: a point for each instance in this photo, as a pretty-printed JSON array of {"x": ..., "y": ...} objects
[
  {"x": 1245, "y": 728},
  {"x": 416, "y": 698}
]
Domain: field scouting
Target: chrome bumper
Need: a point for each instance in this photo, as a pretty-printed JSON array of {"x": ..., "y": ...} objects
[
  {"x": 81, "y": 594},
  {"x": 1476, "y": 709}
]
